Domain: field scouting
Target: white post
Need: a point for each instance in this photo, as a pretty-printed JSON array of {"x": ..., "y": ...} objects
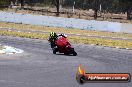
[
  {"x": 74, "y": 7},
  {"x": 100, "y": 7},
  {"x": 60, "y": 7}
]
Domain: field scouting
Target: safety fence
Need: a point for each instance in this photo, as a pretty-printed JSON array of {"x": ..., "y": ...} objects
[{"x": 65, "y": 22}]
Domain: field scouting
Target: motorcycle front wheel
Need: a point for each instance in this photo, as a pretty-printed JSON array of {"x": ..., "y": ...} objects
[{"x": 74, "y": 53}]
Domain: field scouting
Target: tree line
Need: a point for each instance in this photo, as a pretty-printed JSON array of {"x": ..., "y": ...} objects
[{"x": 113, "y": 6}]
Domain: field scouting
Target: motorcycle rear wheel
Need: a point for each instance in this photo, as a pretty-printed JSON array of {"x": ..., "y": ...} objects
[{"x": 54, "y": 51}]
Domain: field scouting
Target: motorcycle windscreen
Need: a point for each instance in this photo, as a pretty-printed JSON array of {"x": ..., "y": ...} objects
[{"x": 61, "y": 42}]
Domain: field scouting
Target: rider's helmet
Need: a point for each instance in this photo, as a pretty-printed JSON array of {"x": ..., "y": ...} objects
[{"x": 53, "y": 34}]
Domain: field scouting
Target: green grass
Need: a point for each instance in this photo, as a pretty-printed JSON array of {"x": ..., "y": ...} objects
[
  {"x": 102, "y": 42},
  {"x": 64, "y": 30},
  {"x": 24, "y": 34},
  {"x": 73, "y": 39}
]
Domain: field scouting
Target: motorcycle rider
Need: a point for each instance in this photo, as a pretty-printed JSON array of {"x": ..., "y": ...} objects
[{"x": 52, "y": 38}]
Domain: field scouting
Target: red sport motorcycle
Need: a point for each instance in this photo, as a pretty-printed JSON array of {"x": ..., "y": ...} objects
[{"x": 63, "y": 46}]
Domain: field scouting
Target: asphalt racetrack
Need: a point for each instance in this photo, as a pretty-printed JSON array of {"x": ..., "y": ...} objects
[{"x": 38, "y": 67}]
